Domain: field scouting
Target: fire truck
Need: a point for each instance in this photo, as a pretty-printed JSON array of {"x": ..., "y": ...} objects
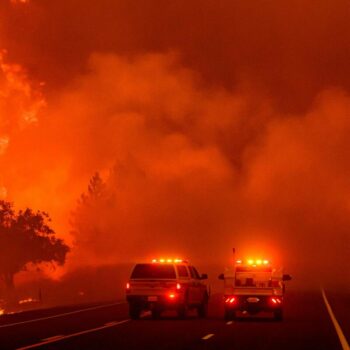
[{"x": 252, "y": 286}]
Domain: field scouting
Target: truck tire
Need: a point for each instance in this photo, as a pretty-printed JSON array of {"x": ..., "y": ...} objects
[
  {"x": 182, "y": 311},
  {"x": 155, "y": 314},
  {"x": 202, "y": 309},
  {"x": 278, "y": 315},
  {"x": 134, "y": 311},
  {"x": 230, "y": 315}
]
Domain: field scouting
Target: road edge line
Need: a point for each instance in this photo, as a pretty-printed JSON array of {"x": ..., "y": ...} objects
[
  {"x": 62, "y": 314},
  {"x": 336, "y": 325},
  {"x": 73, "y": 335},
  {"x": 208, "y": 336},
  {"x": 53, "y": 337}
]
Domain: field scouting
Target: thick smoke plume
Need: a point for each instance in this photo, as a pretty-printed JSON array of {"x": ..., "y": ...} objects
[{"x": 212, "y": 125}]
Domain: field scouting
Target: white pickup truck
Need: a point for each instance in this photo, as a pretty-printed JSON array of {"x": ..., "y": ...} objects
[
  {"x": 166, "y": 284},
  {"x": 253, "y": 287}
]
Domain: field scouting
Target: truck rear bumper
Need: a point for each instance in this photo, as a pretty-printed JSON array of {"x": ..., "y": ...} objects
[
  {"x": 253, "y": 303},
  {"x": 149, "y": 302}
]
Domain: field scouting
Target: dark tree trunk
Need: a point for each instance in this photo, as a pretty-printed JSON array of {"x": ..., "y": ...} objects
[
  {"x": 10, "y": 292},
  {"x": 9, "y": 281}
]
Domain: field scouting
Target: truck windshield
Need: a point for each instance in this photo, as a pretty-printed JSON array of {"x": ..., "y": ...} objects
[{"x": 156, "y": 271}]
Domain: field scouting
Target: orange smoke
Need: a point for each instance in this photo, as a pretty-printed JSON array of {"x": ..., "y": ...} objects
[
  {"x": 176, "y": 184},
  {"x": 229, "y": 131},
  {"x": 19, "y": 1}
]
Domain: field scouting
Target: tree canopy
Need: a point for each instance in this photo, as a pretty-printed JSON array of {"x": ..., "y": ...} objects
[{"x": 26, "y": 237}]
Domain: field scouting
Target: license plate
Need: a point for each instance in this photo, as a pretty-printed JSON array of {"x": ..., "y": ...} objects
[
  {"x": 253, "y": 300},
  {"x": 152, "y": 298}
]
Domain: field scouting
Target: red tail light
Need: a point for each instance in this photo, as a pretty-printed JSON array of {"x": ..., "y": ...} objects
[
  {"x": 178, "y": 286},
  {"x": 172, "y": 296},
  {"x": 230, "y": 300},
  {"x": 128, "y": 285},
  {"x": 276, "y": 301}
]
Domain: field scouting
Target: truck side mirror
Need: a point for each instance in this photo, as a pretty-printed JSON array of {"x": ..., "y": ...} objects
[
  {"x": 286, "y": 277},
  {"x": 221, "y": 276},
  {"x": 204, "y": 276}
]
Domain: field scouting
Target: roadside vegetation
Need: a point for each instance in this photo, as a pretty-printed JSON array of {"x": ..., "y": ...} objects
[{"x": 26, "y": 238}]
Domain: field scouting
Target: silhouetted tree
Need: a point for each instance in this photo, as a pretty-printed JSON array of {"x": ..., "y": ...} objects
[
  {"x": 91, "y": 204},
  {"x": 96, "y": 189},
  {"x": 89, "y": 220},
  {"x": 26, "y": 237}
]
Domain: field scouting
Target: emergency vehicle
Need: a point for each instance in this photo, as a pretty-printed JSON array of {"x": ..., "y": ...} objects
[
  {"x": 252, "y": 286},
  {"x": 166, "y": 284}
]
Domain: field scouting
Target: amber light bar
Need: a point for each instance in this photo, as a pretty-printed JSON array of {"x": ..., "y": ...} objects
[
  {"x": 254, "y": 262},
  {"x": 169, "y": 261}
]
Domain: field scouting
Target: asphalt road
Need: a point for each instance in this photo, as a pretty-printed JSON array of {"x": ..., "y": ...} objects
[{"x": 307, "y": 325}]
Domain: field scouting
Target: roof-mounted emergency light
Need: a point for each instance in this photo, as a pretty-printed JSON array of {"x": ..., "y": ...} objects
[
  {"x": 168, "y": 261},
  {"x": 258, "y": 262}
]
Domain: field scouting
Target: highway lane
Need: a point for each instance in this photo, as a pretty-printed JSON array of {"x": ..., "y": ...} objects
[
  {"x": 16, "y": 332},
  {"x": 52, "y": 312},
  {"x": 307, "y": 325}
]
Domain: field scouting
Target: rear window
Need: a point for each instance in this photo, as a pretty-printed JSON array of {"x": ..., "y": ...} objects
[
  {"x": 182, "y": 271},
  {"x": 165, "y": 271},
  {"x": 194, "y": 273}
]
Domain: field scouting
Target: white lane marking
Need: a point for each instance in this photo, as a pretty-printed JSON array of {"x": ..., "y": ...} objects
[
  {"x": 55, "y": 337},
  {"x": 49, "y": 341},
  {"x": 336, "y": 325},
  {"x": 113, "y": 323},
  {"x": 229, "y": 322},
  {"x": 208, "y": 336},
  {"x": 61, "y": 315}
]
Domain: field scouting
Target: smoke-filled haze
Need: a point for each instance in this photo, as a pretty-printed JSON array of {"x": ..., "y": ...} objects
[{"x": 213, "y": 124}]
